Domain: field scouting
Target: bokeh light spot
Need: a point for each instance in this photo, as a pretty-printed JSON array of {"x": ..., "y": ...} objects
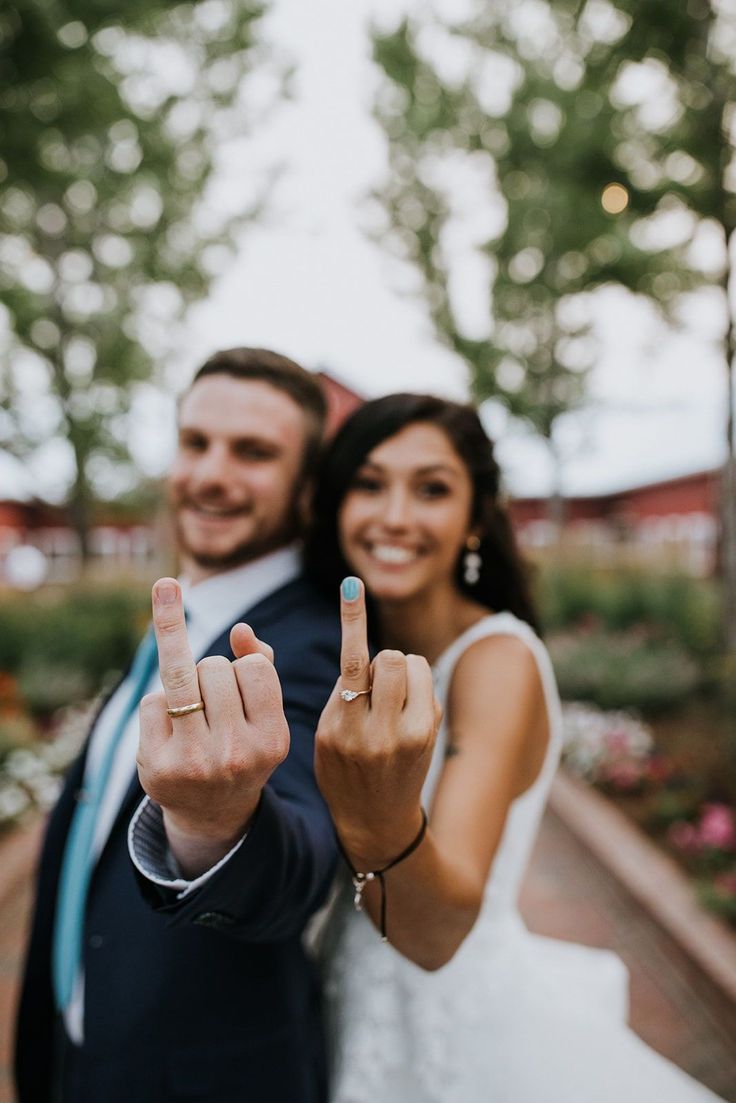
[{"x": 614, "y": 198}]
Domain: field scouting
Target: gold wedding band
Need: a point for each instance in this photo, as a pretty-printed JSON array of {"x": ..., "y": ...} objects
[
  {"x": 185, "y": 710},
  {"x": 351, "y": 694}
]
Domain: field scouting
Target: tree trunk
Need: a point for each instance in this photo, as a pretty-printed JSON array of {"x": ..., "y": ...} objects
[
  {"x": 80, "y": 498},
  {"x": 727, "y": 555},
  {"x": 556, "y": 505},
  {"x": 79, "y": 515}
]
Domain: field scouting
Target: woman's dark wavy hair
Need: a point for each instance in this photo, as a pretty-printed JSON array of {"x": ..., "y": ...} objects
[{"x": 503, "y": 582}]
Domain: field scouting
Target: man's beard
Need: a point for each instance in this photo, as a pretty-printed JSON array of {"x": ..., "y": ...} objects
[{"x": 248, "y": 550}]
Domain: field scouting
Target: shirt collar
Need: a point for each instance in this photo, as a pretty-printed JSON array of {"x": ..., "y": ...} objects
[{"x": 213, "y": 604}]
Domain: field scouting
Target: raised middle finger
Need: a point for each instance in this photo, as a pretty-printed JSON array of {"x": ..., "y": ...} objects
[
  {"x": 355, "y": 662},
  {"x": 176, "y": 663}
]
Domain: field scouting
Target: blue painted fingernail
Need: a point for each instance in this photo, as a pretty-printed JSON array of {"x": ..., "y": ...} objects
[{"x": 350, "y": 588}]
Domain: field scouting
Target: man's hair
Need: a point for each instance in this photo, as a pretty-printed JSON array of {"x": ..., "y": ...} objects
[{"x": 265, "y": 366}]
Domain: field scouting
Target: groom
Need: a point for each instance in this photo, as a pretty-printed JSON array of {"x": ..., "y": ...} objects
[{"x": 210, "y": 997}]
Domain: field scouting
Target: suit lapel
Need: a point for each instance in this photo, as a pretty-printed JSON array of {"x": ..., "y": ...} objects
[{"x": 259, "y": 616}]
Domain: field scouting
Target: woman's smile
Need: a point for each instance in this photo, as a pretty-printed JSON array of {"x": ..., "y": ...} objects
[{"x": 405, "y": 519}]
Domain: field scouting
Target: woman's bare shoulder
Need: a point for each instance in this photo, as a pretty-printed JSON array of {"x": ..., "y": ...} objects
[{"x": 497, "y": 652}]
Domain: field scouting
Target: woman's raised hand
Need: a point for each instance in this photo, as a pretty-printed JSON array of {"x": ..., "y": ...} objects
[{"x": 374, "y": 741}]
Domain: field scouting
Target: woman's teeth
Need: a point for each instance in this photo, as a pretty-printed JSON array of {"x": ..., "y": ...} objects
[{"x": 390, "y": 553}]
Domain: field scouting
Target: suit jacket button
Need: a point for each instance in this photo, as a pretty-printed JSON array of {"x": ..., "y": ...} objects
[
  {"x": 213, "y": 919},
  {"x": 95, "y": 941}
]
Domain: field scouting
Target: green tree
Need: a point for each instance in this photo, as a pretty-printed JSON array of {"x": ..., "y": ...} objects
[
  {"x": 601, "y": 137},
  {"x": 110, "y": 116}
]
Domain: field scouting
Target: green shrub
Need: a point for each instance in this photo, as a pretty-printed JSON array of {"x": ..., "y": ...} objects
[
  {"x": 623, "y": 670},
  {"x": 45, "y": 686},
  {"x": 62, "y": 646},
  {"x": 674, "y": 607}
]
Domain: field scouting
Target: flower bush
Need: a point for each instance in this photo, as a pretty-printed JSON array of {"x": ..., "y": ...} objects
[
  {"x": 624, "y": 669},
  {"x": 88, "y": 634},
  {"x": 708, "y": 848},
  {"x": 32, "y": 766},
  {"x": 616, "y": 751},
  {"x": 719, "y": 894}
]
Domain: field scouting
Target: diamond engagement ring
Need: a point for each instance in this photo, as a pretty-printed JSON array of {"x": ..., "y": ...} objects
[
  {"x": 351, "y": 694},
  {"x": 185, "y": 710}
]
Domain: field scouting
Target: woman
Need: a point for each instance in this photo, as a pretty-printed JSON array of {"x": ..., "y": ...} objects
[{"x": 409, "y": 501}]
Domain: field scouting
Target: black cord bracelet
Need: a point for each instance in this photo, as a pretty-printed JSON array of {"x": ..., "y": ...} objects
[{"x": 360, "y": 880}]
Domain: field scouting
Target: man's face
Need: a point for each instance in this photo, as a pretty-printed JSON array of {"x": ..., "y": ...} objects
[{"x": 233, "y": 485}]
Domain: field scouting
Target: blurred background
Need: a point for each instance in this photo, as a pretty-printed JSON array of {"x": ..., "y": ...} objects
[{"x": 532, "y": 205}]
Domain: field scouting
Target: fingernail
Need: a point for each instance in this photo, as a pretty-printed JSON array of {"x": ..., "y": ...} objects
[
  {"x": 165, "y": 592},
  {"x": 350, "y": 588}
]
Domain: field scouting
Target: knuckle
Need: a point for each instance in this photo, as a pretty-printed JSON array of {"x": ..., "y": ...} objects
[
  {"x": 391, "y": 660},
  {"x": 275, "y": 748},
  {"x": 255, "y": 660},
  {"x": 233, "y": 765},
  {"x": 418, "y": 735},
  {"x": 376, "y": 758},
  {"x": 281, "y": 746},
  {"x": 178, "y": 677},
  {"x": 212, "y": 664},
  {"x": 191, "y": 769},
  {"x": 328, "y": 729},
  {"x": 353, "y": 666},
  {"x": 168, "y": 625},
  {"x": 152, "y": 702}
]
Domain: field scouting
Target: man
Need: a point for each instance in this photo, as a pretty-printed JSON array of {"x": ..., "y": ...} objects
[{"x": 220, "y": 1005}]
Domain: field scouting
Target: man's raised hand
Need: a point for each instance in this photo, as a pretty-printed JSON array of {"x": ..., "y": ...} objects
[{"x": 206, "y": 769}]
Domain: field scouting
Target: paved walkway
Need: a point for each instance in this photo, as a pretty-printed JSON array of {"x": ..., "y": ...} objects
[
  {"x": 674, "y": 1007},
  {"x": 13, "y": 924},
  {"x": 568, "y": 895}
]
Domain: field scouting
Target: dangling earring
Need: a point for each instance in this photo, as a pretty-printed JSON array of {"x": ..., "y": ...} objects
[{"x": 472, "y": 561}]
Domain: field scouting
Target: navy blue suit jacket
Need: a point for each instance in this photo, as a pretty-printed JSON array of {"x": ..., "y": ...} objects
[{"x": 212, "y": 998}]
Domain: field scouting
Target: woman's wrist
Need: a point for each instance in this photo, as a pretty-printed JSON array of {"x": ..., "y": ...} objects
[
  {"x": 363, "y": 877},
  {"x": 371, "y": 847}
]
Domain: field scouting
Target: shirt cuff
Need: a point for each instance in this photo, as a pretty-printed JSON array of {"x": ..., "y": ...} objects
[{"x": 150, "y": 854}]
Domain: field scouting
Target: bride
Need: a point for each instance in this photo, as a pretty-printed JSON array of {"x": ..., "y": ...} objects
[{"x": 436, "y": 992}]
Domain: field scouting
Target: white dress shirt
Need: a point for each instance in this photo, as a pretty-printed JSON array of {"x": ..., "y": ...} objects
[{"x": 211, "y": 606}]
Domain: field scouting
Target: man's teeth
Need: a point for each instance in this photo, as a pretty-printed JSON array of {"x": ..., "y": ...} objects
[
  {"x": 210, "y": 512},
  {"x": 390, "y": 553}
]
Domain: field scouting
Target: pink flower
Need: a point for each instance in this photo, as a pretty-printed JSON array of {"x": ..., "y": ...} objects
[
  {"x": 684, "y": 837},
  {"x": 717, "y": 827},
  {"x": 659, "y": 769},
  {"x": 624, "y": 774},
  {"x": 617, "y": 741}
]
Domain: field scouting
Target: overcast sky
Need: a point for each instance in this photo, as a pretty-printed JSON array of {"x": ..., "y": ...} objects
[{"x": 308, "y": 282}]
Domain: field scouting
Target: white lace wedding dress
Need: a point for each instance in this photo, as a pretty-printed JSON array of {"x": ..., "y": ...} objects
[{"x": 514, "y": 1017}]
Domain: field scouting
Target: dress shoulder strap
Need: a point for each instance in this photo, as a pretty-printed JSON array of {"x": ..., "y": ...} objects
[{"x": 495, "y": 624}]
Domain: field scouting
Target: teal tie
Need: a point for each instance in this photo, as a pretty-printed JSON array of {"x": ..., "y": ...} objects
[{"x": 77, "y": 864}]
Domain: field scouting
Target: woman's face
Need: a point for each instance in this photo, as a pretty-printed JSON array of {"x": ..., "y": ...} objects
[{"x": 406, "y": 515}]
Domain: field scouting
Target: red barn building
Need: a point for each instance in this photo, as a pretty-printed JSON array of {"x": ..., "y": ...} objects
[
  {"x": 669, "y": 523},
  {"x": 672, "y": 522}
]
